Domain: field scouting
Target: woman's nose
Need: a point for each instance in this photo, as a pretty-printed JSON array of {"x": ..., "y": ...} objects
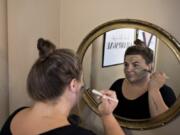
[{"x": 129, "y": 68}]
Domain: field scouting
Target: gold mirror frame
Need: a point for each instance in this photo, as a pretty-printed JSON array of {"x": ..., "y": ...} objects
[{"x": 164, "y": 36}]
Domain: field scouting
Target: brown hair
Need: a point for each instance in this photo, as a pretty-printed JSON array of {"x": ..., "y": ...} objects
[
  {"x": 52, "y": 71},
  {"x": 140, "y": 48}
]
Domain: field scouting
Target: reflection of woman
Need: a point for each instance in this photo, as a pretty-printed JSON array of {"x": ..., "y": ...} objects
[
  {"x": 141, "y": 94},
  {"x": 55, "y": 83}
]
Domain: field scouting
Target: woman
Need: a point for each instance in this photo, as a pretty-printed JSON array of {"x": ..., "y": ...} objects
[
  {"x": 142, "y": 94},
  {"x": 55, "y": 82}
]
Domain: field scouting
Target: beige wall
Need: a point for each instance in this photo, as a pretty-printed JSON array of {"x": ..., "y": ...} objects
[
  {"x": 3, "y": 62},
  {"x": 80, "y": 17},
  {"x": 168, "y": 63},
  {"x": 27, "y": 21},
  {"x": 66, "y": 22}
]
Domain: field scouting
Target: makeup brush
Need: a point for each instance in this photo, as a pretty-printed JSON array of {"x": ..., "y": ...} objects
[
  {"x": 149, "y": 71},
  {"x": 104, "y": 96},
  {"x": 146, "y": 70}
]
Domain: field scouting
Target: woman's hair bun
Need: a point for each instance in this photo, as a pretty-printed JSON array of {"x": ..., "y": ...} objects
[
  {"x": 138, "y": 42},
  {"x": 45, "y": 48}
]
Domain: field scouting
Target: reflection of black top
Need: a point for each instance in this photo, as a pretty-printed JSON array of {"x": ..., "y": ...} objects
[
  {"x": 65, "y": 130},
  {"x": 139, "y": 108}
]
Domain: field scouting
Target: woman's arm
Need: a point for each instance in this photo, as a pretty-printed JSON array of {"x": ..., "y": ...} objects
[
  {"x": 156, "y": 102},
  {"x": 111, "y": 126}
]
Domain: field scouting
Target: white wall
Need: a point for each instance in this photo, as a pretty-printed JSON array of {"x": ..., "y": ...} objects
[{"x": 66, "y": 22}]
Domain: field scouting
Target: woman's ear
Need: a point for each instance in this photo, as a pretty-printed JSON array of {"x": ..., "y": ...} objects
[
  {"x": 151, "y": 67},
  {"x": 73, "y": 85}
]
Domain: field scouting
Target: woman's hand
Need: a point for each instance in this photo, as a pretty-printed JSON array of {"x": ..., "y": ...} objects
[
  {"x": 157, "y": 80},
  {"x": 107, "y": 106},
  {"x": 156, "y": 103}
]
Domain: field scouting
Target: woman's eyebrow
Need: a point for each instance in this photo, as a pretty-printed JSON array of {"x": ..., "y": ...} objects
[{"x": 136, "y": 62}]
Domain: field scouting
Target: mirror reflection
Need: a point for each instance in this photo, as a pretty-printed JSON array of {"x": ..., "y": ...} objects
[{"x": 131, "y": 72}]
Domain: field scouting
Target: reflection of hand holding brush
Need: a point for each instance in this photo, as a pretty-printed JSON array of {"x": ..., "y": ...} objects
[
  {"x": 104, "y": 96},
  {"x": 146, "y": 70},
  {"x": 149, "y": 71}
]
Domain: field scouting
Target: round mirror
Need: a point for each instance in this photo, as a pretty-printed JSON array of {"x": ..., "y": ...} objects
[{"x": 102, "y": 56}]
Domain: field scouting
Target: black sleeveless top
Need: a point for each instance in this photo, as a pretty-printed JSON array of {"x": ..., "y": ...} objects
[
  {"x": 65, "y": 130},
  {"x": 138, "y": 108}
]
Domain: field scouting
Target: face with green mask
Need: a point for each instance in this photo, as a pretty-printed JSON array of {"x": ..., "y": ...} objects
[{"x": 135, "y": 68}]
